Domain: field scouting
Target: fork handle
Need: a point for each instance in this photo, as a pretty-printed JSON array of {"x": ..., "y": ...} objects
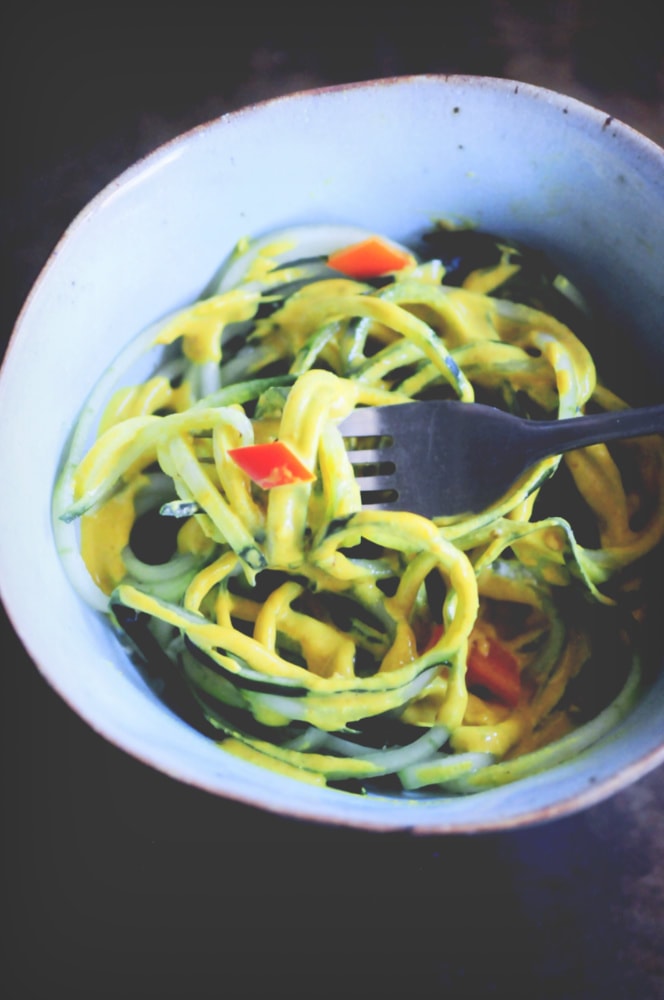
[{"x": 553, "y": 436}]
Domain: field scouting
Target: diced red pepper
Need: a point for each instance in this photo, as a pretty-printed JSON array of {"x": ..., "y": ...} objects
[
  {"x": 369, "y": 258},
  {"x": 490, "y": 666},
  {"x": 271, "y": 464},
  {"x": 434, "y": 636}
]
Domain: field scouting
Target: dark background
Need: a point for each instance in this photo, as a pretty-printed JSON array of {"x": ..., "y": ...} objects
[{"x": 119, "y": 882}]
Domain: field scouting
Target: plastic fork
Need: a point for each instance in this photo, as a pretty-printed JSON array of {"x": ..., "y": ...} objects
[{"x": 443, "y": 458}]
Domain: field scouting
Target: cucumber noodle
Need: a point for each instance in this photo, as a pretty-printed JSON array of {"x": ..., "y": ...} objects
[{"x": 331, "y": 641}]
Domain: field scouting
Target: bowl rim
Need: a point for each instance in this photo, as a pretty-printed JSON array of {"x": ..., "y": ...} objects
[{"x": 579, "y": 107}]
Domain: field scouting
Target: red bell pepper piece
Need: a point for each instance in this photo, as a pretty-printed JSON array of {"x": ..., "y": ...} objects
[
  {"x": 271, "y": 464},
  {"x": 493, "y": 668},
  {"x": 369, "y": 258},
  {"x": 490, "y": 666}
]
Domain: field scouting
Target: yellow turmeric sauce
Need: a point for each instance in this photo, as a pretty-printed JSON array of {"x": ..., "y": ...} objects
[{"x": 344, "y": 344}]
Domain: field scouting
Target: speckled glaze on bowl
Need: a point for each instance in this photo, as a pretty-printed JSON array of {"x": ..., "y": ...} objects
[{"x": 391, "y": 155}]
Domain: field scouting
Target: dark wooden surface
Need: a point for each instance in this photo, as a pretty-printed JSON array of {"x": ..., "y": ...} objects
[{"x": 119, "y": 882}]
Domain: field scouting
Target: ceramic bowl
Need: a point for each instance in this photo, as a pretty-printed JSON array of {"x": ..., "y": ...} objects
[{"x": 392, "y": 156}]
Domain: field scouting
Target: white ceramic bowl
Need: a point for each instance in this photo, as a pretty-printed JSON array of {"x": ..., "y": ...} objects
[{"x": 391, "y": 156}]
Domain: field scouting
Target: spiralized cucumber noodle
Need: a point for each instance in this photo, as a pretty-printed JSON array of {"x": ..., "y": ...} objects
[{"x": 341, "y": 644}]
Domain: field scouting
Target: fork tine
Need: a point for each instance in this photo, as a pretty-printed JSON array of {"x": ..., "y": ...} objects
[
  {"x": 363, "y": 422},
  {"x": 374, "y": 468},
  {"x": 368, "y": 456},
  {"x": 376, "y": 484},
  {"x": 380, "y": 470},
  {"x": 388, "y": 505}
]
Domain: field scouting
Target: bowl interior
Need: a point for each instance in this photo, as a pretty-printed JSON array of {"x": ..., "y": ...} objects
[{"x": 393, "y": 156}]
